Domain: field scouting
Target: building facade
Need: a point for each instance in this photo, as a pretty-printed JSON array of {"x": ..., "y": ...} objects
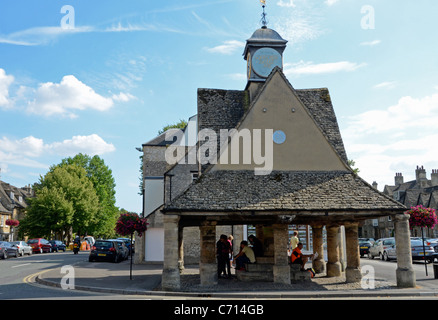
[
  {"x": 272, "y": 156},
  {"x": 12, "y": 206}
]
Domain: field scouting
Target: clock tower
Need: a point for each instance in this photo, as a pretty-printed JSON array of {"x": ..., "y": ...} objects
[{"x": 263, "y": 52}]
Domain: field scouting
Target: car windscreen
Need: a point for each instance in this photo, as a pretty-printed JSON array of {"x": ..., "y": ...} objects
[
  {"x": 33, "y": 241},
  {"x": 103, "y": 244}
]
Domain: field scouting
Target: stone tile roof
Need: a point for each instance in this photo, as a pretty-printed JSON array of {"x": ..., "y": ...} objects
[
  {"x": 281, "y": 191},
  {"x": 6, "y": 203},
  {"x": 224, "y": 109},
  {"x": 319, "y": 104}
]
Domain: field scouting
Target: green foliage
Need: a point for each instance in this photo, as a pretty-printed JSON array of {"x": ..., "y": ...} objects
[
  {"x": 180, "y": 125},
  {"x": 77, "y": 195}
]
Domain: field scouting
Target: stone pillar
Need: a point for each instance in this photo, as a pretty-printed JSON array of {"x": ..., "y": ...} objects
[
  {"x": 318, "y": 264},
  {"x": 333, "y": 264},
  {"x": 281, "y": 263},
  {"x": 352, "y": 272},
  {"x": 170, "y": 279},
  {"x": 207, "y": 263},
  {"x": 405, "y": 273},
  {"x": 181, "y": 249}
]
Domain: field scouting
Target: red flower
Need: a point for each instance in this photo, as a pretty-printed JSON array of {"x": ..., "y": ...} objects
[{"x": 128, "y": 223}]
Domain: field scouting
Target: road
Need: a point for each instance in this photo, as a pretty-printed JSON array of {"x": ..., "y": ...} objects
[
  {"x": 17, "y": 277},
  {"x": 386, "y": 270}
]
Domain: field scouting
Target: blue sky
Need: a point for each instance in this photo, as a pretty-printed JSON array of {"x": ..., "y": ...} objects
[{"x": 107, "y": 83}]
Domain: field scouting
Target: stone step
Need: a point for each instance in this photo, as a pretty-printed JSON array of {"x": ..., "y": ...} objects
[
  {"x": 258, "y": 267},
  {"x": 254, "y": 276}
]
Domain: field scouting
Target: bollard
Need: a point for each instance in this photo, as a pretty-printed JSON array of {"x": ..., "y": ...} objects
[{"x": 435, "y": 270}]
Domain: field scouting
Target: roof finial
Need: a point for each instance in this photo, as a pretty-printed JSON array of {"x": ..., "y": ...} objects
[{"x": 263, "y": 20}]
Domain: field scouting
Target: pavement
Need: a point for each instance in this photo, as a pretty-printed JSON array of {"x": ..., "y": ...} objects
[{"x": 115, "y": 278}]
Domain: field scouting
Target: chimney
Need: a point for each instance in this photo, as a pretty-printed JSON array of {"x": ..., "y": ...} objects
[
  {"x": 398, "y": 178},
  {"x": 375, "y": 185},
  {"x": 420, "y": 174},
  {"x": 434, "y": 177}
]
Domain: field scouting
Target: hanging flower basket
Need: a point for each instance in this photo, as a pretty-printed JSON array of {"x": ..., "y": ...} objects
[
  {"x": 128, "y": 223},
  {"x": 12, "y": 222},
  {"x": 422, "y": 217}
]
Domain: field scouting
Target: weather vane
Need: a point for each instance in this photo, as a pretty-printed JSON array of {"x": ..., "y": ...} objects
[{"x": 263, "y": 20}]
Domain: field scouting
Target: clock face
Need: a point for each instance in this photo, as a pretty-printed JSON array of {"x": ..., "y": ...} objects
[{"x": 264, "y": 60}]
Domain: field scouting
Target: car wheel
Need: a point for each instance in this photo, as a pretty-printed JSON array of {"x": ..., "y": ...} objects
[
  {"x": 41, "y": 250},
  {"x": 385, "y": 256},
  {"x": 370, "y": 256},
  {"x": 5, "y": 255}
]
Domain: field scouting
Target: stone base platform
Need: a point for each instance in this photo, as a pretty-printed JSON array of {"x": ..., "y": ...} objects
[{"x": 262, "y": 270}]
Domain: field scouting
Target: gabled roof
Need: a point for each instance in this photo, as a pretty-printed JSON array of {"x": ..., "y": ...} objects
[
  {"x": 10, "y": 197},
  {"x": 341, "y": 192}
]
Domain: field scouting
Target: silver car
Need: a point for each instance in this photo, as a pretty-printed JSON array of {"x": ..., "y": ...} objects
[
  {"x": 23, "y": 247},
  {"x": 419, "y": 252},
  {"x": 380, "y": 248}
]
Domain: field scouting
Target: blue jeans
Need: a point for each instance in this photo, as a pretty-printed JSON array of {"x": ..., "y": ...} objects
[{"x": 240, "y": 262}]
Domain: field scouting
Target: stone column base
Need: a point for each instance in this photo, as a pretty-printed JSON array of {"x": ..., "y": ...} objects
[
  {"x": 170, "y": 280},
  {"x": 353, "y": 275},
  {"x": 334, "y": 269},
  {"x": 281, "y": 274},
  {"x": 405, "y": 278},
  {"x": 208, "y": 274},
  {"x": 318, "y": 265}
]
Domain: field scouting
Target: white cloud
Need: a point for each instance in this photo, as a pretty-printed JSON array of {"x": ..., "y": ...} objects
[
  {"x": 41, "y": 35},
  {"x": 331, "y": 2},
  {"x": 5, "y": 82},
  {"x": 310, "y": 68},
  {"x": 371, "y": 43},
  {"x": 289, "y": 3},
  {"x": 386, "y": 85},
  {"x": 228, "y": 47},
  {"x": 66, "y": 97},
  {"x": 24, "y": 152},
  {"x": 395, "y": 139},
  {"x": 91, "y": 145}
]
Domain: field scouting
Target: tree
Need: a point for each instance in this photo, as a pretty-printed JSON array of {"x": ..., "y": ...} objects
[
  {"x": 65, "y": 200},
  {"x": 179, "y": 125},
  {"x": 351, "y": 164},
  {"x": 103, "y": 182},
  {"x": 48, "y": 212}
]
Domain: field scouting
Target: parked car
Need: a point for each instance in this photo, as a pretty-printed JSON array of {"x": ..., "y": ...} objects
[
  {"x": 128, "y": 244},
  {"x": 367, "y": 239},
  {"x": 40, "y": 245},
  {"x": 57, "y": 245},
  {"x": 378, "y": 249},
  {"x": 364, "y": 247},
  {"x": 23, "y": 247},
  {"x": 105, "y": 250},
  {"x": 7, "y": 250},
  {"x": 419, "y": 252},
  {"x": 123, "y": 248}
]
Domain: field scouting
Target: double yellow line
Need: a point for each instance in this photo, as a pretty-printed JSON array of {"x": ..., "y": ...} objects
[{"x": 31, "y": 279}]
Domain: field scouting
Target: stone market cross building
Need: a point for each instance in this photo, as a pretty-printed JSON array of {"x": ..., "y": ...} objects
[{"x": 308, "y": 182}]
